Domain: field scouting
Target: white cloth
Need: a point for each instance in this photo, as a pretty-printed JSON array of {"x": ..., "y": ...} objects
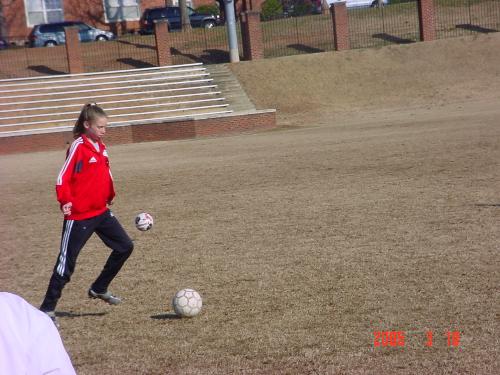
[{"x": 29, "y": 341}]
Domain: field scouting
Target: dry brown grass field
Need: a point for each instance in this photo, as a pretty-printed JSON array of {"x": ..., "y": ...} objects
[{"x": 374, "y": 206}]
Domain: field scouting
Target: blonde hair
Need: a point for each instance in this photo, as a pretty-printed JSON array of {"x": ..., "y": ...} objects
[{"x": 90, "y": 112}]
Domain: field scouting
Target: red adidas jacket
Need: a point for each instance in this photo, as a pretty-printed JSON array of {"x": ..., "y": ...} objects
[{"x": 85, "y": 180}]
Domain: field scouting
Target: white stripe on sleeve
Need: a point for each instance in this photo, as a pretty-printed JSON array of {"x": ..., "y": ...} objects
[{"x": 71, "y": 153}]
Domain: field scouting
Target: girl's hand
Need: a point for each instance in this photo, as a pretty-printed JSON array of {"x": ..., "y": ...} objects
[{"x": 66, "y": 208}]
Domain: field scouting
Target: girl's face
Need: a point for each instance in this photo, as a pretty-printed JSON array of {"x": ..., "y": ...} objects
[{"x": 96, "y": 129}]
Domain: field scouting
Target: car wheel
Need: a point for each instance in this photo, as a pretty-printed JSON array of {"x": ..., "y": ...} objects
[
  {"x": 101, "y": 38},
  {"x": 209, "y": 24},
  {"x": 50, "y": 43}
]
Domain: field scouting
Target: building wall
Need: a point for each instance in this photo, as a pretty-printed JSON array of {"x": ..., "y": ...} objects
[
  {"x": 89, "y": 11},
  {"x": 15, "y": 19}
]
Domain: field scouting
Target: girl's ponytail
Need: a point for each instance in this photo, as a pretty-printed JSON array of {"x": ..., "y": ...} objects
[{"x": 90, "y": 112}]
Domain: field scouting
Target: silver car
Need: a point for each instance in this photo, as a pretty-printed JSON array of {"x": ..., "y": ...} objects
[
  {"x": 52, "y": 34},
  {"x": 359, "y": 3}
]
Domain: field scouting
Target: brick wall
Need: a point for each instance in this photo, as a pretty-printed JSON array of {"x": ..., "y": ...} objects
[
  {"x": 340, "y": 26},
  {"x": 162, "y": 43},
  {"x": 232, "y": 124},
  {"x": 253, "y": 44},
  {"x": 426, "y": 19},
  {"x": 15, "y": 18},
  {"x": 73, "y": 51},
  {"x": 89, "y": 11}
]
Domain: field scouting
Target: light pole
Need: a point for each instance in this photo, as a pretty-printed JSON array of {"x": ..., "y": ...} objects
[{"x": 234, "y": 55}]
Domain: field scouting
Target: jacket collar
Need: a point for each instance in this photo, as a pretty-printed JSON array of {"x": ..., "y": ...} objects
[{"x": 88, "y": 143}]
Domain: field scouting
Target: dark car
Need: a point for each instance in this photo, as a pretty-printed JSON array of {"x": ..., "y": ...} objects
[
  {"x": 3, "y": 44},
  {"x": 52, "y": 34},
  {"x": 173, "y": 17}
]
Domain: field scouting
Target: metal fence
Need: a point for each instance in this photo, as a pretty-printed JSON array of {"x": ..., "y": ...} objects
[
  {"x": 394, "y": 23},
  {"x": 139, "y": 51},
  {"x": 368, "y": 27},
  {"x": 20, "y": 61},
  {"x": 465, "y": 17},
  {"x": 209, "y": 46},
  {"x": 128, "y": 52},
  {"x": 297, "y": 35}
]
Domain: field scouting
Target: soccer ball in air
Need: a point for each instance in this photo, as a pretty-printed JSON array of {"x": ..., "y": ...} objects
[
  {"x": 187, "y": 303},
  {"x": 144, "y": 221}
]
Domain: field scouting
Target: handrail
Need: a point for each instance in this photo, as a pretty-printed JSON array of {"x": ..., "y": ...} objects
[
  {"x": 110, "y": 89},
  {"x": 108, "y": 95},
  {"x": 100, "y": 73},
  {"x": 113, "y": 101},
  {"x": 100, "y": 78},
  {"x": 105, "y": 83},
  {"x": 115, "y": 109},
  {"x": 109, "y": 116}
]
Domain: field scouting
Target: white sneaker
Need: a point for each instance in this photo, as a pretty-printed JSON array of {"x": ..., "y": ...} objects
[{"x": 106, "y": 297}]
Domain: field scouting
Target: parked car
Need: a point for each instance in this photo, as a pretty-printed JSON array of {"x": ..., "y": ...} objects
[
  {"x": 173, "y": 17},
  {"x": 3, "y": 44},
  {"x": 358, "y": 3},
  {"x": 52, "y": 34}
]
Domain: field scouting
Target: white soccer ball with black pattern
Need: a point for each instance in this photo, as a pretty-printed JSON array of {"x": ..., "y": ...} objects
[
  {"x": 187, "y": 303},
  {"x": 144, "y": 221}
]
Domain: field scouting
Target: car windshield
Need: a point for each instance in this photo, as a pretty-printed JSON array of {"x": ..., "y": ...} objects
[
  {"x": 155, "y": 13},
  {"x": 52, "y": 28},
  {"x": 83, "y": 26}
]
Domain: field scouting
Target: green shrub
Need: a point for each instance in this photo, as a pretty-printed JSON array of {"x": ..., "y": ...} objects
[
  {"x": 302, "y": 7},
  {"x": 208, "y": 9},
  {"x": 271, "y": 9}
]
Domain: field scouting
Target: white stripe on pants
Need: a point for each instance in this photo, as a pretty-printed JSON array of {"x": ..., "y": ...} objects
[{"x": 64, "y": 247}]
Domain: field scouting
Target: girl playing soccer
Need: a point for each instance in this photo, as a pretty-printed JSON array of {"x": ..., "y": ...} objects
[{"x": 84, "y": 190}]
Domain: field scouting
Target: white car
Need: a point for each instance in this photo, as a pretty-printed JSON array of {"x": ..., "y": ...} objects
[{"x": 358, "y": 3}]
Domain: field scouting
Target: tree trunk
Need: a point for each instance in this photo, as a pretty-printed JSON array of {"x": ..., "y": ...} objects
[
  {"x": 3, "y": 28},
  {"x": 185, "y": 23}
]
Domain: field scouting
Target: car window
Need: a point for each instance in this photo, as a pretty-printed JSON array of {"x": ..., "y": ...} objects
[
  {"x": 83, "y": 27},
  {"x": 190, "y": 11},
  {"x": 155, "y": 14},
  {"x": 52, "y": 28},
  {"x": 173, "y": 12}
]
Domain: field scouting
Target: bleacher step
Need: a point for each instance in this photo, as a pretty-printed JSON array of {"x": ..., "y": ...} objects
[{"x": 230, "y": 87}]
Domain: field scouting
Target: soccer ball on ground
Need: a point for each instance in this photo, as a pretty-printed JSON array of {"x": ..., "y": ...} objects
[
  {"x": 144, "y": 221},
  {"x": 187, "y": 303}
]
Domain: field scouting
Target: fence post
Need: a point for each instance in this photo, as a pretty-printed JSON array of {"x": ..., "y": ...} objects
[
  {"x": 244, "y": 36},
  {"x": 162, "y": 43},
  {"x": 426, "y": 20},
  {"x": 73, "y": 50},
  {"x": 325, "y": 8},
  {"x": 338, "y": 11},
  {"x": 253, "y": 44}
]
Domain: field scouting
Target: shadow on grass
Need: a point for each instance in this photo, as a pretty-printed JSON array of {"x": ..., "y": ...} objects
[
  {"x": 45, "y": 70},
  {"x": 137, "y": 45},
  {"x": 392, "y": 38},
  {"x": 476, "y": 28},
  {"x": 304, "y": 48},
  {"x": 135, "y": 63},
  {"x": 168, "y": 316},
  {"x": 66, "y": 314},
  {"x": 208, "y": 56}
]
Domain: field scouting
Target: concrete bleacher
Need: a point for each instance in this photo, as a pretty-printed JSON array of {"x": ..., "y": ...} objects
[
  {"x": 157, "y": 103},
  {"x": 52, "y": 103}
]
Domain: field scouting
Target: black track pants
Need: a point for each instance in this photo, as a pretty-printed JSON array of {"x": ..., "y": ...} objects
[{"x": 74, "y": 236}]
